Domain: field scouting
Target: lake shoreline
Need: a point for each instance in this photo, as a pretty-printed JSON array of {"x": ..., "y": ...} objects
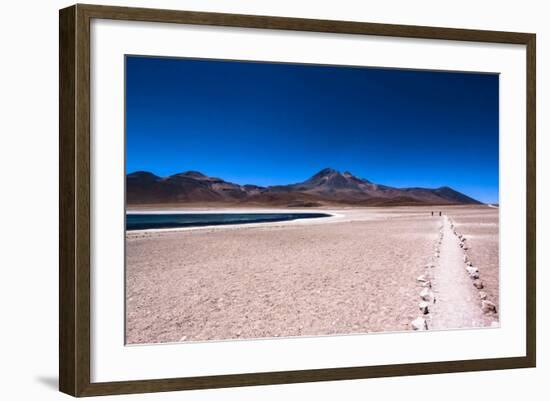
[{"x": 163, "y": 221}]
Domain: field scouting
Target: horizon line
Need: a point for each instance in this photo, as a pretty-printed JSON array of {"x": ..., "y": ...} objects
[{"x": 323, "y": 169}]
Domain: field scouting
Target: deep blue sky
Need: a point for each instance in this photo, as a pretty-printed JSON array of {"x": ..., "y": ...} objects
[{"x": 268, "y": 123}]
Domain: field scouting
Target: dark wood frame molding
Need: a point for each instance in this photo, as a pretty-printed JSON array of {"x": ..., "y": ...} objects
[{"x": 74, "y": 199}]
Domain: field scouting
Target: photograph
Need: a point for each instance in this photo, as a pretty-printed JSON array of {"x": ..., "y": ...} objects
[{"x": 272, "y": 200}]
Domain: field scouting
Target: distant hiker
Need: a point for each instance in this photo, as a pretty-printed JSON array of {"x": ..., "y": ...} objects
[
  {"x": 440, "y": 213},
  {"x": 432, "y": 213}
]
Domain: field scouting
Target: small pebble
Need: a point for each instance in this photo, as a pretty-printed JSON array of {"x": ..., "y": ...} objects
[
  {"x": 488, "y": 307},
  {"x": 426, "y": 294},
  {"x": 423, "y": 306},
  {"x": 472, "y": 269},
  {"x": 473, "y": 272},
  {"x": 478, "y": 284},
  {"x": 419, "y": 324}
]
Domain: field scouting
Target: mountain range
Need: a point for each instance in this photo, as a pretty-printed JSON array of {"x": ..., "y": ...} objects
[{"x": 327, "y": 187}]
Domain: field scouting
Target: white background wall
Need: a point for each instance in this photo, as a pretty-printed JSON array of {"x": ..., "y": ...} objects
[{"x": 29, "y": 183}]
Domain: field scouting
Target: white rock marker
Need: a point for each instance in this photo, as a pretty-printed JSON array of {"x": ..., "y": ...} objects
[
  {"x": 478, "y": 284},
  {"x": 423, "y": 306},
  {"x": 426, "y": 295},
  {"x": 488, "y": 307},
  {"x": 473, "y": 272},
  {"x": 419, "y": 324},
  {"x": 482, "y": 295}
]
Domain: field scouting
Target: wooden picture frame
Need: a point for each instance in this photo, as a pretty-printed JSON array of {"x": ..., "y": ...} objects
[{"x": 74, "y": 203}]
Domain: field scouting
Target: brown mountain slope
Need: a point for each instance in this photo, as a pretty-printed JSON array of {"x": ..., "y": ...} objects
[{"x": 327, "y": 187}]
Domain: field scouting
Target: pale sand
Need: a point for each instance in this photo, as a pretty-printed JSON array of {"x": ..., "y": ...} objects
[{"x": 354, "y": 272}]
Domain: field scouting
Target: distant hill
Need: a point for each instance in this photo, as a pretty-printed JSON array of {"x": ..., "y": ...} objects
[{"x": 327, "y": 187}]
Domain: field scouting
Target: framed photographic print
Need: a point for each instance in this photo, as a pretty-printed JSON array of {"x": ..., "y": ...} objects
[{"x": 250, "y": 200}]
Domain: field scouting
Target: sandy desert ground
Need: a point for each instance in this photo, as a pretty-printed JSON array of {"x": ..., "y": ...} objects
[{"x": 363, "y": 270}]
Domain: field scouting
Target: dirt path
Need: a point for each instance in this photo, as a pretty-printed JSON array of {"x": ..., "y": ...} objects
[{"x": 457, "y": 300}]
